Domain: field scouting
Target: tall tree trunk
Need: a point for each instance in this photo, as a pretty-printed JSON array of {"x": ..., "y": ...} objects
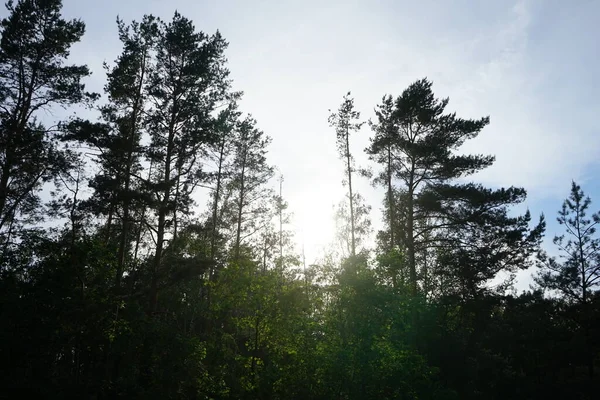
[
  {"x": 589, "y": 354},
  {"x": 160, "y": 237},
  {"x": 213, "y": 238},
  {"x": 123, "y": 242},
  {"x": 21, "y": 115},
  {"x": 349, "y": 165},
  {"x": 281, "y": 222},
  {"x": 108, "y": 225},
  {"x": 176, "y": 201},
  {"x": 240, "y": 207},
  {"x": 392, "y": 216},
  {"x": 162, "y": 216},
  {"x": 265, "y": 253},
  {"x": 410, "y": 245},
  {"x": 138, "y": 238},
  {"x": 4, "y": 187}
]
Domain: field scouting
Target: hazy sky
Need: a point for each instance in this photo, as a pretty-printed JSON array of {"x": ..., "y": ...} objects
[{"x": 532, "y": 66}]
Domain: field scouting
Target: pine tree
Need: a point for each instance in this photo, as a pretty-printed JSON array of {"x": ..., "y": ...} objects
[
  {"x": 577, "y": 277},
  {"x": 579, "y": 273},
  {"x": 417, "y": 139},
  {"x": 34, "y": 77},
  {"x": 345, "y": 121},
  {"x": 382, "y": 152},
  {"x": 125, "y": 87},
  {"x": 221, "y": 153},
  {"x": 475, "y": 237},
  {"x": 250, "y": 174},
  {"x": 187, "y": 82},
  {"x": 118, "y": 185}
]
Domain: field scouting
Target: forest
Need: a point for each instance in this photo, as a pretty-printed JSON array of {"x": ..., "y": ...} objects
[{"x": 116, "y": 282}]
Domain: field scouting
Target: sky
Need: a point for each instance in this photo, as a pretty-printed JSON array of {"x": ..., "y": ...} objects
[{"x": 532, "y": 66}]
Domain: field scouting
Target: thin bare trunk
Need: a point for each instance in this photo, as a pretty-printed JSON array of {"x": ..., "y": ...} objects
[
  {"x": 392, "y": 215},
  {"x": 410, "y": 245},
  {"x": 281, "y": 222},
  {"x": 213, "y": 238},
  {"x": 351, "y": 197},
  {"x": 123, "y": 242}
]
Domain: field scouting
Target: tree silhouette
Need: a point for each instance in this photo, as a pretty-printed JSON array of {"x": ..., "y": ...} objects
[
  {"x": 34, "y": 77},
  {"x": 345, "y": 121}
]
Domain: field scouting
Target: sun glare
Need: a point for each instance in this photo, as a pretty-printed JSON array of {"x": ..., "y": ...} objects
[{"x": 314, "y": 228}]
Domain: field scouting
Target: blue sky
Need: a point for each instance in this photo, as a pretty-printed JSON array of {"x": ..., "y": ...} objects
[{"x": 532, "y": 66}]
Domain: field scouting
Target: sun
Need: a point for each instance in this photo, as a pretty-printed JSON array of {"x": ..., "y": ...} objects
[{"x": 314, "y": 226}]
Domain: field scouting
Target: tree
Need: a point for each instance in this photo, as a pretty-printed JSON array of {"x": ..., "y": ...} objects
[
  {"x": 476, "y": 238},
  {"x": 125, "y": 87},
  {"x": 579, "y": 274},
  {"x": 364, "y": 350},
  {"x": 345, "y": 121},
  {"x": 188, "y": 80},
  {"x": 577, "y": 277},
  {"x": 118, "y": 185},
  {"x": 34, "y": 48},
  {"x": 361, "y": 227},
  {"x": 419, "y": 140},
  {"x": 250, "y": 175},
  {"x": 382, "y": 152},
  {"x": 227, "y": 121},
  {"x": 276, "y": 242}
]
